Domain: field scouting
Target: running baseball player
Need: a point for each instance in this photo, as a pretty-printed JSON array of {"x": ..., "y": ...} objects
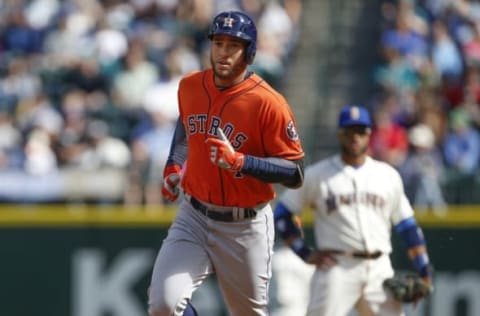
[
  {"x": 241, "y": 139},
  {"x": 356, "y": 200}
]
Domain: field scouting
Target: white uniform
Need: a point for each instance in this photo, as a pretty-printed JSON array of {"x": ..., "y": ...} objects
[{"x": 354, "y": 211}]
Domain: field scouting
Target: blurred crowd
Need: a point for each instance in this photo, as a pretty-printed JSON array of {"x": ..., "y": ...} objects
[
  {"x": 88, "y": 90},
  {"x": 427, "y": 109}
]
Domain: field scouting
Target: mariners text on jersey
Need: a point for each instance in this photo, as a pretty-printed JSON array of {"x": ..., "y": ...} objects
[{"x": 361, "y": 198}]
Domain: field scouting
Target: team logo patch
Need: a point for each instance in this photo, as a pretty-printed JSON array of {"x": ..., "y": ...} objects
[
  {"x": 292, "y": 131},
  {"x": 228, "y": 22},
  {"x": 355, "y": 113}
]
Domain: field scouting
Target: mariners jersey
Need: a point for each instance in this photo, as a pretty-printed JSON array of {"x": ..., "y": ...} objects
[
  {"x": 354, "y": 207},
  {"x": 256, "y": 119}
]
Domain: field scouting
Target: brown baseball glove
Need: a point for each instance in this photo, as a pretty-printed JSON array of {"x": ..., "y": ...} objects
[{"x": 407, "y": 288}]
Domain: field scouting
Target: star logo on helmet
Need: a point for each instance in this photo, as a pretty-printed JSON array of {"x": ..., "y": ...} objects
[{"x": 228, "y": 22}]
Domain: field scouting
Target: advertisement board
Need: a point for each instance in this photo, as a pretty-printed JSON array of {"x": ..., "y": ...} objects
[{"x": 59, "y": 261}]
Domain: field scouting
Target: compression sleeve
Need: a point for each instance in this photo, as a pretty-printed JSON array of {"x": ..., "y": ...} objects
[
  {"x": 178, "y": 146},
  {"x": 410, "y": 233},
  {"x": 275, "y": 170},
  {"x": 412, "y": 236}
]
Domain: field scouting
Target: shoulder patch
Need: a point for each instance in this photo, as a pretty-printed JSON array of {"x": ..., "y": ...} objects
[{"x": 292, "y": 131}]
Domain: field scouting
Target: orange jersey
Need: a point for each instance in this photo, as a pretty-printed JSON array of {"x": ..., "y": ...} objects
[{"x": 256, "y": 119}]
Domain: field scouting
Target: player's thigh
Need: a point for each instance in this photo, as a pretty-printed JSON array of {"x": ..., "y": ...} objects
[
  {"x": 375, "y": 300},
  {"x": 389, "y": 307},
  {"x": 242, "y": 256},
  {"x": 180, "y": 267},
  {"x": 334, "y": 292}
]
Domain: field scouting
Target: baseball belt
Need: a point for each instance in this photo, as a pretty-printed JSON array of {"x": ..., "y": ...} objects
[
  {"x": 228, "y": 215},
  {"x": 356, "y": 254}
]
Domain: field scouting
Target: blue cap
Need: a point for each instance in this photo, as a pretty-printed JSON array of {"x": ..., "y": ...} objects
[{"x": 354, "y": 115}]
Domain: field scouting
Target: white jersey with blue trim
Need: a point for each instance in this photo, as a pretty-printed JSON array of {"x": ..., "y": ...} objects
[{"x": 355, "y": 207}]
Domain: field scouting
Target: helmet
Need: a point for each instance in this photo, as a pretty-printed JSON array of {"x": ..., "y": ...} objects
[{"x": 237, "y": 24}]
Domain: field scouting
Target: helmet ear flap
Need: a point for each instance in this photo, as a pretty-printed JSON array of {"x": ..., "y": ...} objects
[{"x": 250, "y": 52}]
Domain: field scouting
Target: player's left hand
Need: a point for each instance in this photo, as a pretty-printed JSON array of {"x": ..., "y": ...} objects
[
  {"x": 171, "y": 181},
  {"x": 223, "y": 155},
  {"x": 408, "y": 288}
]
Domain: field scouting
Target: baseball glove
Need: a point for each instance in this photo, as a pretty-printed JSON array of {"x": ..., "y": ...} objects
[{"x": 408, "y": 288}]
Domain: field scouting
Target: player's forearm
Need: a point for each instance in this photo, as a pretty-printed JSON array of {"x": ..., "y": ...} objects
[
  {"x": 419, "y": 258},
  {"x": 412, "y": 237},
  {"x": 274, "y": 170},
  {"x": 178, "y": 146}
]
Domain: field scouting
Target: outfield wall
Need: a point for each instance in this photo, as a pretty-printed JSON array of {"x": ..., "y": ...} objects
[{"x": 91, "y": 261}]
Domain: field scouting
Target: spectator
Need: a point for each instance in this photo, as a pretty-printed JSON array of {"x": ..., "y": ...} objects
[
  {"x": 151, "y": 142},
  {"x": 138, "y": 74},
  {"x": 18, "y": 37},
  {"x": 11, "y": 151},
  {"x": 431, "y": 110},
  {"x": 40, "y": 158},
  {"x": 396, "y": 74},
  {"x": 104, "y": 151},
  {"x": 462, "y": 143},
  {"x": 406, "y": 40},
  {"x": 462, "y": 154},
  {"x": 388, "y": 141},
  {"x": 471, "y": 94},
  {"x": 66, "y": 64},
  {"x": 446, "y": 56},
  {"x": 422, "y": 171},
  {"x": 150, "y": 151},
  {"x": 38, "y": 112},
  {"x": 431, "y": 71},
  {"x": 19, "y": 83}
]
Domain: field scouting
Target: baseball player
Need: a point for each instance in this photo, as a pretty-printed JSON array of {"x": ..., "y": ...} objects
[
  {"x": 356, "y": 200},
  {"x": 241, "y": 138}
]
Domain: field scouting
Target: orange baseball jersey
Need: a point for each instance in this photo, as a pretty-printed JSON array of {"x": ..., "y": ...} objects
[{"x": 256, "y": 119}]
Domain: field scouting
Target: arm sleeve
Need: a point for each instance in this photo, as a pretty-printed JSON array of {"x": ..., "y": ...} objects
[
  {"x": 412, "y": 236},
  {"x": 410, "y": 233},
  {"x": 275, "y": 170},
  {"x": 178, "y": 147}
]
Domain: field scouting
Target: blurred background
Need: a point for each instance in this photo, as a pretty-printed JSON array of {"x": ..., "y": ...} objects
[{"x": 87, "y": 111}]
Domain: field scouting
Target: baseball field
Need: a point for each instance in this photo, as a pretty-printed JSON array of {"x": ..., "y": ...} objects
[{"x": 95, "y": 261}]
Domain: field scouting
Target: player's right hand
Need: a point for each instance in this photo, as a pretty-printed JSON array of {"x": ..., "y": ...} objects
[
  {"x": 171, "y": 181},
  {"x": 223, "y": 155}
]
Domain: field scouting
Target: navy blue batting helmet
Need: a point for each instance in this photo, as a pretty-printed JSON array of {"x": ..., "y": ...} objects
[{"x": 237, "y": 24}]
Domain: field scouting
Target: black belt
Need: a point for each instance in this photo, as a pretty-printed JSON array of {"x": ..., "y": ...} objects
[
  {"x": 366, "y": 255},
  {"x": 236, "y": 214},
  {"x": 356, "y": 254}
]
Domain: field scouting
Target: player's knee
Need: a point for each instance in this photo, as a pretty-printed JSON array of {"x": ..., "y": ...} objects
[
  {"x": 161, "y": 308},
  {"x": 168, "y": 310},
  {"x": 160, "y": 303}
]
